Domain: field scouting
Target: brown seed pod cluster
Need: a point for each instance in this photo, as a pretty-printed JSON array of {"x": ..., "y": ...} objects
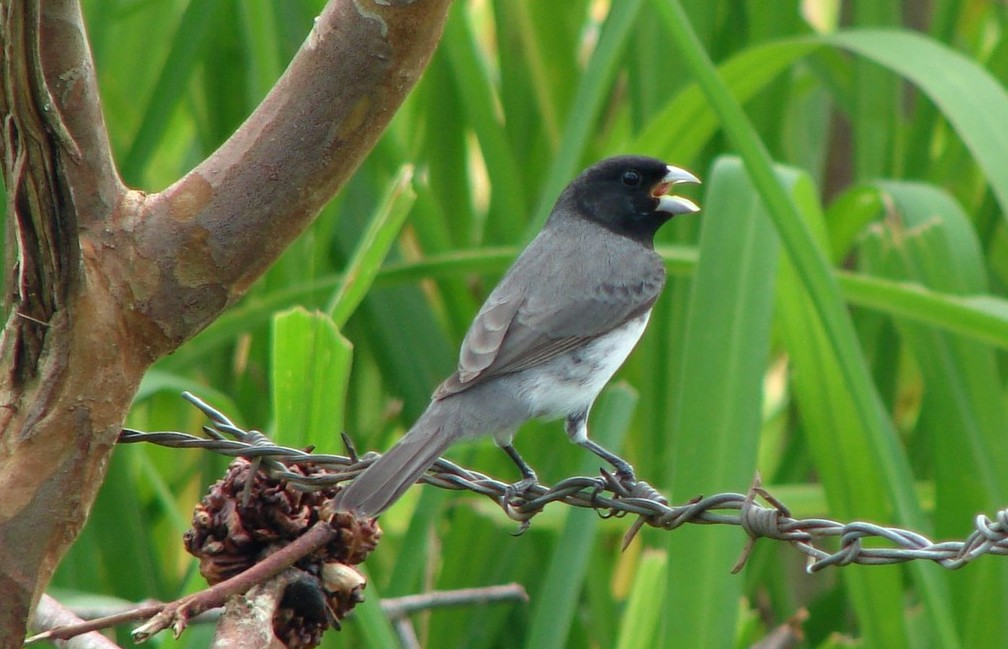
[{"x": 238, "y": 523}]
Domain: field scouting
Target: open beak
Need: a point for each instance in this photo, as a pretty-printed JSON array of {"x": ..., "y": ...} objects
[{"x": 669, "y": 202}]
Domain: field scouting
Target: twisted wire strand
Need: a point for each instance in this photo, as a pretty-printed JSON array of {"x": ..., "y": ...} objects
[{"x": 607, "y": 496}]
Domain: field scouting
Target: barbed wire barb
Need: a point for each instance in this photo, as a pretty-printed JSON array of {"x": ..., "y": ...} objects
[{"x": 609, "y": 498}]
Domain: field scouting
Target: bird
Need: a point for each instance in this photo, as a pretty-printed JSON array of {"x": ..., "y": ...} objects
[{"x": 553, "y": 332}]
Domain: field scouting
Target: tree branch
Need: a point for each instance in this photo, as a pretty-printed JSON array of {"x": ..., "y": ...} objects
[
  {"x": 73, "y": 90},
  {"x": 224, "y": 222},
  {"x": 51, "y": 460},
  {"x": 104, "y": 280}
]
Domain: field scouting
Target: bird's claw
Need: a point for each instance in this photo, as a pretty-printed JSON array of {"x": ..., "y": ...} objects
[
  {"x": 623, "y": 481},
  {"x": 522, "y": 528},
  {"x": 519, "y": 489},
  {"x": 626, "y": 477},
  {"x": 513, "y": 499}
]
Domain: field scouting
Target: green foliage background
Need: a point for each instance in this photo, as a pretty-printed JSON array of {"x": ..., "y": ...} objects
[{"x": 835, "y": 315}]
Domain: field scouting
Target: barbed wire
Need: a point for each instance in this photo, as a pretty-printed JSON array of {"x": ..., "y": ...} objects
[{"x": 608, "y": 496}]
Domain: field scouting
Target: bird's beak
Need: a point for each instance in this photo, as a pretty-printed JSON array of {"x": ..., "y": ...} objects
[{"x": 670, "y": 203}]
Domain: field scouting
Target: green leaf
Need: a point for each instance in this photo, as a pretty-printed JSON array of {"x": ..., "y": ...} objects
[
  {"x": 157, "y": 381},
  {"x": 981, "y": 317},
  {"x": 477, "y": 95},
  {"x": 714, "y": 438},
  {"x": 829, "y": 327},
  {"x": 846, "y": 451},
  {"x": 645, "y": 609},
  {"x": 373, "y": 624},
  {"x": 194, "y": 27},
  {"x": 928, "y": 239},
  {"x": 310, "y": 371},
  {"x": 556, "y": 601},
  {"x": 848, "y": 216},
  {"x": 373, "y": 246},
  {"x": 591, "y": 93},
  {"x": 973, "y": 101},
  {"x": 686, "y": 124},
  {"x": 876, "y": 100}
]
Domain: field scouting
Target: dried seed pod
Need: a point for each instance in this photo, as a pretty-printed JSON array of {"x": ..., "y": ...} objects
[{"x": 239, "y": 522}]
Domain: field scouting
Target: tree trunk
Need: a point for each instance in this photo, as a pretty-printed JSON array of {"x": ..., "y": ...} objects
[{"x": 102, "y": 280}]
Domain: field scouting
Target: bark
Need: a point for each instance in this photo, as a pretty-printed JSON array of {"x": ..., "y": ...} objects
[
  {"x": 102, "y": 280},
  {"x": 247, "y": 622}
]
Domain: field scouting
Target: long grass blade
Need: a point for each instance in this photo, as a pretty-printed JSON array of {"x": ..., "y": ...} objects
[
  {"x": 591, "y": 93},
  {"x": 373, "y": 247},
  {"x": 956, "y": 84},
  {"x": 714, "y": 440},
  {"x": 556, "y": 601}
]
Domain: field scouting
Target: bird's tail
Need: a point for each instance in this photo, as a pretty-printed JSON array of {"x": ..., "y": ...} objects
[{"x": 382, "y": 483}]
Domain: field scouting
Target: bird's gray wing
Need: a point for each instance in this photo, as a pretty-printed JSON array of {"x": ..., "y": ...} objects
[{"x": 536, "y": 313}]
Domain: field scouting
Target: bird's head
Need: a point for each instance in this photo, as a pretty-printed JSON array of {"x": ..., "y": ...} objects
[{"x": 629, "y": 195}]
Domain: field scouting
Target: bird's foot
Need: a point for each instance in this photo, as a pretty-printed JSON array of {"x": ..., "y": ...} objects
[
  {"x": 625, "y": 475},
  {"x": 515, "y": 496},
  {"x": 521, "y": 488}
]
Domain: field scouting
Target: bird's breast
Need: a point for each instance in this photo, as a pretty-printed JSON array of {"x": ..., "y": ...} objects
[{"x": 569, "y": 382}]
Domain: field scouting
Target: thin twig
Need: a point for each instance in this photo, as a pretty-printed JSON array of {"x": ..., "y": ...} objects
[
  {"x": 409, "y": 604},
  {"x": 50, "y": 614},
  {"x": 406, "y": 633},
  {"x": 176, "y": 614},
  {"x": 395, "y": 608},
  {"x": 65, "y": 632}
]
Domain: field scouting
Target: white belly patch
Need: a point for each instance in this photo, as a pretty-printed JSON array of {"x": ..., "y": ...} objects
[{"x": 571, "y": 381}]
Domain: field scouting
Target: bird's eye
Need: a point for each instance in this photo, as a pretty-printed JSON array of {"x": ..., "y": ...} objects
[{"x": 631, "y": 178}]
